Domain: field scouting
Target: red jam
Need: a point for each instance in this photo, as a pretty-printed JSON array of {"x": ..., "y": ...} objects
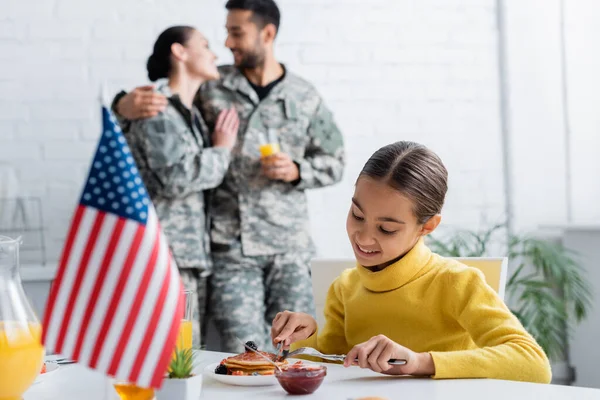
[{"x": 301, "y": 378}]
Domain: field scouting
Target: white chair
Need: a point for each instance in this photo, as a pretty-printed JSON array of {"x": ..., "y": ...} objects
[{"x": 324, "y": 272}]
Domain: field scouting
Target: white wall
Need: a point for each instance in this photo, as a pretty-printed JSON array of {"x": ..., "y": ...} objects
[
  {"x": 537, "y": 122},
  {"x": 422, "y": 70},
  {"x": 536, "y": 119},
  {"x": 583, "y": 55}
]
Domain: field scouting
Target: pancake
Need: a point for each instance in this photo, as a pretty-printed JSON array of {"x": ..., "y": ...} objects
[{"x": 251, "y": 363}]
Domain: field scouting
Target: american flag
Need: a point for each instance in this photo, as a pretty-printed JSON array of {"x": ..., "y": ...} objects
[{"x": 117, "y": 302}]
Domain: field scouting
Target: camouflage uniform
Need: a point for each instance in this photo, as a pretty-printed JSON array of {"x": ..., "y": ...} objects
[
  {"x": 261, "y": 244},
  {"x": 177, "y": 165}
]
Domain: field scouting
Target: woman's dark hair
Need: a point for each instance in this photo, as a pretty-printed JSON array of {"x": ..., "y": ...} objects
[
  {"x": 415, "y": 171},
  {"x": 159, "y": 63}
]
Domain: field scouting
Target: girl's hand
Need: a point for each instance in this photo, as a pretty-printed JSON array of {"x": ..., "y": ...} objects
[
  {"x": 289, "y": 327},
  {"x": 377, "y": 351}
]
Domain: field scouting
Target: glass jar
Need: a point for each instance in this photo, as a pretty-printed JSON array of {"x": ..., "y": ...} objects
[{"x": 21, "y": 350}]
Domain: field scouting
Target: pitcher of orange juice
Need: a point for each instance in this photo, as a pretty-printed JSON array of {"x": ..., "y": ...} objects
[{"x": 21, "y": 350}]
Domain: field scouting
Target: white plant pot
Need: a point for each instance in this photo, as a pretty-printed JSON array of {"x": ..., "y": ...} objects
[{"x": 180, "y": 389}]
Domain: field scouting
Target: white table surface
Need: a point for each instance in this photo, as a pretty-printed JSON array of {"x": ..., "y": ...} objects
[{"x": 72, "y": 382}]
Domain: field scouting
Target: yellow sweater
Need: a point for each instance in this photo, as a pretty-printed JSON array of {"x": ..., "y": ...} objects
[{"x": 431, "y": 304}]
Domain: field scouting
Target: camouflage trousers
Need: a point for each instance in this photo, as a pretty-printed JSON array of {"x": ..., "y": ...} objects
[
  {"x": 247, "y": 292},
  {"x": 195, "y": 279}
]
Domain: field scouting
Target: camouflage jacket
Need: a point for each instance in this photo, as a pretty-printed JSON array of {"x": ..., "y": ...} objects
[
  {"x": 177, "y": 166},
  {"x": 271, "y": 217}
]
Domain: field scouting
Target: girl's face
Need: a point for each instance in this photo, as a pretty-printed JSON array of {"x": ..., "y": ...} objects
[{"x": 381, "y": 224}]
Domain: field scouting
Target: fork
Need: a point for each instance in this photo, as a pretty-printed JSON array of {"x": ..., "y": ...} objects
[
  {"x": 309, "y": 351},
  {"x": 281, "y": 353}
]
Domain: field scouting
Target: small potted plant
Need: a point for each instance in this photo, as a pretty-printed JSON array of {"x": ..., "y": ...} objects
[{"x": 181, "y": 383}]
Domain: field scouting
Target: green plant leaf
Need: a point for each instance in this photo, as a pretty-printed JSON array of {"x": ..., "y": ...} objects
[{"x": 182, "y": 364}]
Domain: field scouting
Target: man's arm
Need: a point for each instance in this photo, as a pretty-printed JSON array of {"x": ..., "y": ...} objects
[
  {"x": 143, "y": 102},
  {"x": 324, "y": 160}
]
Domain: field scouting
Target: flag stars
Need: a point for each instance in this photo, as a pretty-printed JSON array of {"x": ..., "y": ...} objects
[{"x": 114, "y": 185}]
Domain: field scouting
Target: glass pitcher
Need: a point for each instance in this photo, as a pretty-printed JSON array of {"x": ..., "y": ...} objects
[{"x": 21, "y": 350}]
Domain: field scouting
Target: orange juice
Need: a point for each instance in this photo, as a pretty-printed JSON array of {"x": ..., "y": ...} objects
[
  {"x": 184, "y": 338},
  {"x": 128, "y": 391},
  {"x": 269, "y": 149},
  {"x": 21, "y": 357}
]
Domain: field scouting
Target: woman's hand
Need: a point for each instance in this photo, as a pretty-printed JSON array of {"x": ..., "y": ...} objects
[
  {"x": 226, "y": 129},
  {"x": 377, "y": 351}
]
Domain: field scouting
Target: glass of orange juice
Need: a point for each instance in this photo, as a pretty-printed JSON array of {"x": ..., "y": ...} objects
[
  {"x": 21, "y": 350},
  {"x": 271, "y": 146},
  {"x": 129, "y": 391},
  {"x": 185, "y": 336},
  {"x": 268, "y": 149}
]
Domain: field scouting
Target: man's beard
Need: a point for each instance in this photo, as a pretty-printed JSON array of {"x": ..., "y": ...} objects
[{"x": 252, "y": 60}]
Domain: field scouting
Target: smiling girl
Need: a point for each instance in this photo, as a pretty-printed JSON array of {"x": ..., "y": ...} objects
[{"x": 402, "y": 301}]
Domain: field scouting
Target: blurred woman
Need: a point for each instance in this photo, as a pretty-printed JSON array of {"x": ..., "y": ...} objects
[{"x": 179, "y": 159}]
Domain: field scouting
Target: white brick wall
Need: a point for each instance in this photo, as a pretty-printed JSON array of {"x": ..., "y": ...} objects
[{"x": 422, "y": 70}]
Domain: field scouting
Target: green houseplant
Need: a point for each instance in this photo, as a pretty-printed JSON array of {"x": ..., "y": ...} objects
[
  {"x": 181, "y": 382},
  {"x": 546, "y": 288}
]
